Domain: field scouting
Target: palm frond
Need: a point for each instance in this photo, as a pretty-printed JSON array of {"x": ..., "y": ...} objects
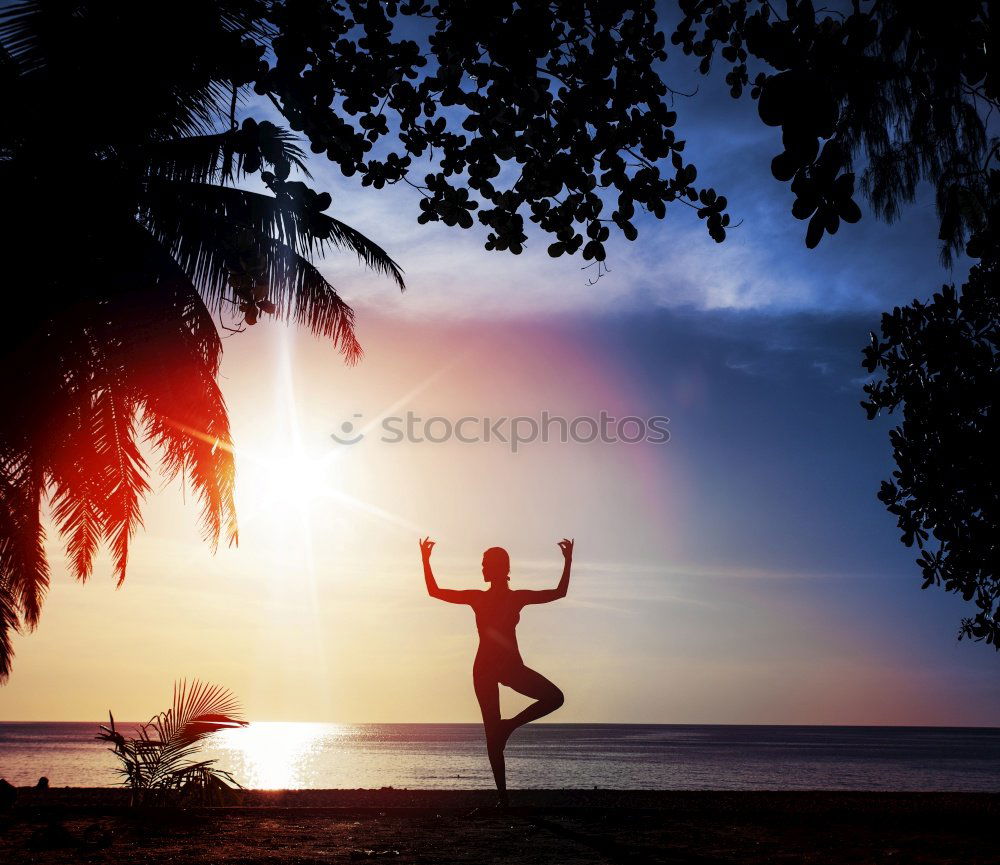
[
  {"x": 22, "y": 536},
  {"x": 171, "y": 738},
  {"x": 222, "y": 156},
  {"x": 370, "y": 253},
  {"x": 172, "y": 367},
  {"x": 211, "y": 248},
  {"x": 138, "y": 363},
  {"x": 10, "y": 622},
  {"x": 123, "y": 468},
  {"x": 202, "y": 453},
  {"x": 75, "y": 476},
  {"x": 198, "y": 709},
  {"x": 178, "y": 78},
  {"x": 25, "y": 30},
  {"x": 24, "y": 571},
  {"x": 308, "y": 232},
  {"x": 77, "y": 509},
  {"x": 311, "y": 301}
]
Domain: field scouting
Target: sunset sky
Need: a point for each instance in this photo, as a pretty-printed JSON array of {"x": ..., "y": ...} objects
[{"x": 743, "y": 572}]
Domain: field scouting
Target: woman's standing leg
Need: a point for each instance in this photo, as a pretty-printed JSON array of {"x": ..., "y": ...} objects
[{"x": 488, "y": 694}]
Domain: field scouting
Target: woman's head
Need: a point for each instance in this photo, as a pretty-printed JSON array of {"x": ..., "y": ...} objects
[{"x": 496, "y": 564}]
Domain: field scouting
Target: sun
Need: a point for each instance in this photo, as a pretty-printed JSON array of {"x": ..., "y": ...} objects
[
  {"x": 282, "y": 479},
  {"x": 292, "y": 479}
]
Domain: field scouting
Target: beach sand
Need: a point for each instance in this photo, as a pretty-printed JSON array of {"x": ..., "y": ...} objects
[{"x": 558, "y": 826}]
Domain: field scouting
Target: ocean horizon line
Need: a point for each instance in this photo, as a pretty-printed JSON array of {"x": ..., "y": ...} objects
[
  {"x": 421, "y": 755},
  {"x": 869, "y": 726}
]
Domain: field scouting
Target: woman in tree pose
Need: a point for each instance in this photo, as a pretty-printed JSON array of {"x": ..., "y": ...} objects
[{"x": 498, "y": 661}]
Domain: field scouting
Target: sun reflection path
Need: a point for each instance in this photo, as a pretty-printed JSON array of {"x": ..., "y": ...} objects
[{"x": 272, "y": 755}]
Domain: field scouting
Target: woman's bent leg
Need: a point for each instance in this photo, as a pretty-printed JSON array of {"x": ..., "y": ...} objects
[
  {"x": 488, "y": 694},
  {"x": 526, "y": 681}
]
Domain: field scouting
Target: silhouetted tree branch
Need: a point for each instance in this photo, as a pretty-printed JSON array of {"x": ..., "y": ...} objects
[
  {"x": 893, "y": 84},
  {"x": 520, "y": 109}
]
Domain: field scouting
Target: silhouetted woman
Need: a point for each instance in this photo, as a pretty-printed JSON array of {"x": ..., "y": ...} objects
[{"x": 498, "y": 661}]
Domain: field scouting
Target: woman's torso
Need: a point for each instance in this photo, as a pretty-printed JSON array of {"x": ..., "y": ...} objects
[{"x": 497, "y": 615}]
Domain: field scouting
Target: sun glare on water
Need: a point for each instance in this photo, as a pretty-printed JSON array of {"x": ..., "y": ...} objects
[{"x": 273, "y": 755}]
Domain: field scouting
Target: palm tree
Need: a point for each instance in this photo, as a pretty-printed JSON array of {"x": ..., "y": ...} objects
[{"x": 120, "y": 161}]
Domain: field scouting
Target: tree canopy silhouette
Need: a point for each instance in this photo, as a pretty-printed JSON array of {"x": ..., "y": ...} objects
[
  {"x": 939, "y": 366},
  {"x": 907, "y": 90},
  {"x": 537, "y": 109},
  {"x": 904, "y": 87}
]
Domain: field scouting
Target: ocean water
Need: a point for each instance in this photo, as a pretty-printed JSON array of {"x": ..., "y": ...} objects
[{"x": 278, "y": 755}]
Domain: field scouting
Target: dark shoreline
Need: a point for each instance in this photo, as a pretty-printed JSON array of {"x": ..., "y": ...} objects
[
  {"x": 113, "y": 799},
  {"x": 308, "y": 827}
]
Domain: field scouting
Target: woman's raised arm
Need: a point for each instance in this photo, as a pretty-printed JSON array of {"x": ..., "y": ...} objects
[
  {"x": 543, "y": 597},
  {"x": 451, "y": 596}
]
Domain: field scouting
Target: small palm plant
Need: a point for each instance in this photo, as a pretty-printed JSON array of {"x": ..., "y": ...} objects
[{"x": 158, "y": 764}]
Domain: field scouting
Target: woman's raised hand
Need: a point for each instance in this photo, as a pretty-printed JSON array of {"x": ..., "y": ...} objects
[
  {"x": 566, "y": 545},
  {"x": 426, "y": 545}
]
